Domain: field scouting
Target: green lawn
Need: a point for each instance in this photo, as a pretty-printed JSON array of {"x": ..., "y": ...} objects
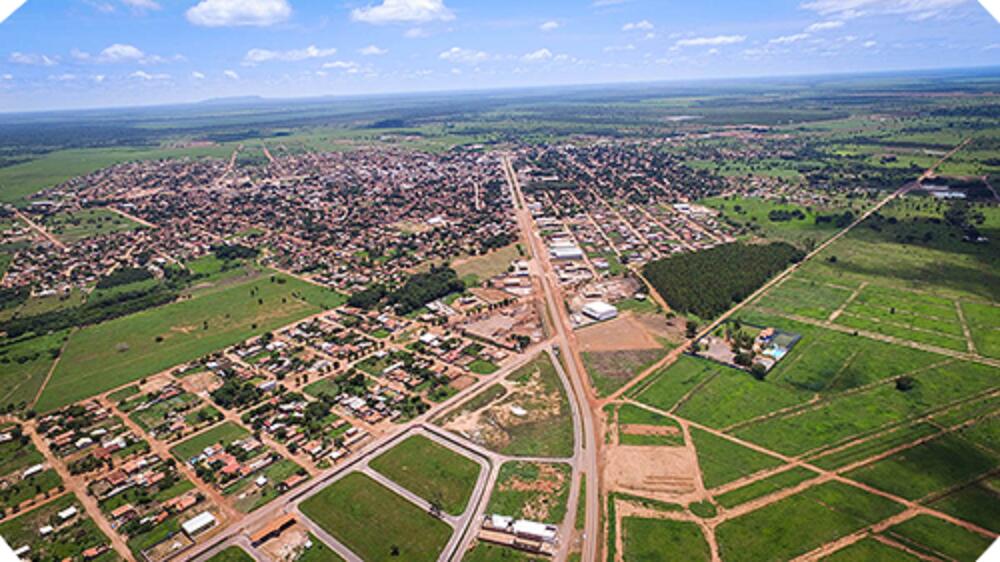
[
  {"x": 652, "y": 539},
  {"x": 104, "y": 356},
  {"x": 375, "y": 523},
  {"x": 431, "y": 471},
  {"x": 223, "y": 433}
]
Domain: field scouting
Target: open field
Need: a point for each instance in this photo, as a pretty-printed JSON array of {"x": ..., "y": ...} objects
[
  {"x": 24, "y": 365},
  {"x": 431, "y": 471},
  {"x": 976, "y": 503},
  {"x": 476, "y": 269},
  {"x": 723, "y": 461},
  {"x": 223, "y": 433},
  {"x": 114, "y": 353},
  {"x": 533, "y": 491},
  {"x": 650, "y": 539},
  {"x": 763, "y": 487},
  {"x": 375, "y": 523},
  {"x": 777, "y": 532},
  {"x": 232, "y": 554},
  {"x": 870, "y": 550},
  {"x": 487, "y": 552},
  {"x": 984, "y": 323},
  {"x": 81, "y": 225},
  {"x": 931, "y": 536}
]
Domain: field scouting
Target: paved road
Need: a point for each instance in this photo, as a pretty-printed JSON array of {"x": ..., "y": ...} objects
[{"x": 578, "y": 389}]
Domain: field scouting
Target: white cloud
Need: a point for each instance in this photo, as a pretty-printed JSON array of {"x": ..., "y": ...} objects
[
  {"x": 619, "y": 48},
  {"x": 142, "y": 5},
  {"x": 231, "y": 75},
  {"x": 350, "y": 67},
  {"x": 120, "y": 52},
  {"x": 8, "y": 76},
  {"x": 825, "y": 25},
  {"x": 197, "y": 75},
  {"x": 415, "y": 33},
  {"x": 226, "y": 13},
  {"x": 18, "y": 57},
  {"x": 869, "y": 44},
  {"x": 784, "y": 39},
  {"x": 394, "y": 11},
  {"x": 643, "y": 25},
  {"x": 537, "y": 56},
  {"x": 913, "y": 9},
  {"x": 373, "y": 51},
  {"x": 8, "y": 7},
  {"x": 458, "y": 54},
  {"x": 550, "y": 26},
  {"x": 63, "y": 77},
  {"x": 98, "y": 78},
  {"x": 143, "y": 75},
  {"x": 711, "y": 41},
  {"x": 255, "y": 56}
]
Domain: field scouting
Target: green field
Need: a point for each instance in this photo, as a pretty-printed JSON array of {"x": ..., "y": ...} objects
[
  {"x": 104, "y": 356},
  {"x": 375, "y": 523},
  {"x": 87, "y": 223},
  {"x": 223, "y": 433},
  {"x": 976, "y": 503},
  {"x": 932, "y": 536},
  {"x": 431, "y": 471},
  {"x": 801, "y": 523},
  {"x": 752, "y": 213},
  {"x": 487, "y": 552},
  {"x": 765, "y": 486},
  {"x": 610, "y": 370},
  {"x": 533, "y": 491},
  {"x": 66, "y": 543},
  {"x": 870, "y": 550},
  {"x": 984, "y": 323},
  {"x": 23, "y": 367},
  {"x": 723, "y": 461},
  {"x": 652, "y": 539}
]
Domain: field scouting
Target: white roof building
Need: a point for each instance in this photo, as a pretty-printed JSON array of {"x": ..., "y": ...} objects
[
  {"x": 198, "y": 524},
  {"x": 535, "y": 530},
  {"x": 600, "y": 311}
]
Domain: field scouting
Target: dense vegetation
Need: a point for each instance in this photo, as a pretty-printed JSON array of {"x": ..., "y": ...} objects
[
  {"x": 709, "y": 282},
  {"x": 123, "y": 276},
  {"x": 418, "y": 290}
]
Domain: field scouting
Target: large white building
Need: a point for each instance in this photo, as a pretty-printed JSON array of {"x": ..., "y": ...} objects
[{"x": 600, "y": 311}]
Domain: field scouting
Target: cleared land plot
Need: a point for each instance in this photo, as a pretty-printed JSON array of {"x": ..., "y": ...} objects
[
  {"x": 223, "y": 433},
  {"x": 610, "y": 370},
  {"x": 723, "y": 461},
  {"x": 531, "y": 418},
  {"x": 934, "y": 537},
  {"x": 652, "y": 539},
  {"x": 851, "y": 415},
  {"x": 375, "y": 523},
  {"x": 232, "y": 554},
  {"x": 925, "y": 469},
  {"x": 431, "y": 471},
  {"x": 87, "y": 223},
  {"x": 637, "y": 426},
  {"x": 765, "y": 486},
  {"x": 801, "y": 523},
  {"x": 534, "y": 491},
  {"x": 984, "y": 323},
  {"x": 476, "y": 269},
  {"x": 104, "y": 356}
]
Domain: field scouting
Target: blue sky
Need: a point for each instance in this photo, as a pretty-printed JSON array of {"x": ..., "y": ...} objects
[{"x": 101, "y": 53}]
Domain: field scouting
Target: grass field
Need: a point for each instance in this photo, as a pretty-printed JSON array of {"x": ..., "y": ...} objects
[
  {"x": 723, "y": 461},
  {"x": 984, "y": 323},
  {"x": 870, "y": 550},
  {"x": 610, "y": 370},
  {"x": 752, "y": 213},
  {"x": 652, "y": 539},
  {"x": 223, "y": 433},
  {"x": 87, "y": 223},
  {"x": 976, "y": 503},
  {"x": 932, "y": 536},
  {"x": 318, "y": 552},
  {"x": 629, "y": 415},
  {"x": 777, "y": 532},
  {"x": 23, "y": 367},
  {"x": 375, "y": 523},
  {"x": 875, "y": 445},
  {"x": 431, "y": 471},
  {"x": 533, "y": 491},
  {"x": 477, "y": 269},
  {"x": 104, "y": 356},
  {"x": 765, "y": 486},
  {"x": 486, "y": 552}
]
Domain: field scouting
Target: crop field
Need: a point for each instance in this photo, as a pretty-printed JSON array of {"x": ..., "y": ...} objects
[
  {"x": 375, "y": 523},
  {"x": 534, "y": 491},
  {"x": 107, "y": 355},
  {"x": 74, "y": 227},
  {"x": 649, "y": 539},
  {"x": 431, "y": 471}
]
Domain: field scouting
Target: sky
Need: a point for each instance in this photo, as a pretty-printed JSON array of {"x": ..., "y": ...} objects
[{"x": 65, "y": 54}]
